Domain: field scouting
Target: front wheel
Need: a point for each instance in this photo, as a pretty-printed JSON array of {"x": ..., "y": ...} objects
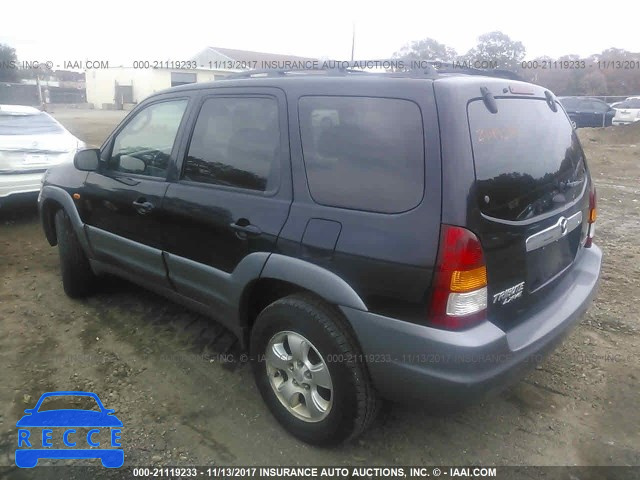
[
  {"x": 78, "y": 280},
  {"x": 309, "y": 372}
]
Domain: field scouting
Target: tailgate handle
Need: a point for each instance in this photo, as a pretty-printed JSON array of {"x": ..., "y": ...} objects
[{"x": 555, "y": 232}]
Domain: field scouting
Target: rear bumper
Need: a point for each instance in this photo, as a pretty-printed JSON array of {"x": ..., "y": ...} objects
[
  {"x": 414, "y": 362},
  {"x": 624, "y": 122},
  {"x": 19, "y": 185}
]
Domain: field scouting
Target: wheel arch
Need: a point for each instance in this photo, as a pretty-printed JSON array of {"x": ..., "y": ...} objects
[
  {"x": 53, "y": 199},
  {"x": 283, "y": 276}
]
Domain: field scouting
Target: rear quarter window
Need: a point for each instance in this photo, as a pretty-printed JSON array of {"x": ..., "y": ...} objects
[{"x": 363, "y": 153}]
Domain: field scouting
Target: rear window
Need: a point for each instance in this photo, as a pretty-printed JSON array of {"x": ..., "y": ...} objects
[
  {"x": 528, "y": 159},
  {"x": 363, "y": 153},
  {"x": 27, "y": 124},
  {"x": 628, "y": 104}
]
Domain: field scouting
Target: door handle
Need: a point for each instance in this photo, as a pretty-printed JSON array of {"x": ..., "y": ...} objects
[
  {"x": 142, "y": 206},
  {"x": 245, "y": 228}
]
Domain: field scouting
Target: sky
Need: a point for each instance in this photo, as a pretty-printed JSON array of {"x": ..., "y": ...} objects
[{"x": 122, "y": 31}]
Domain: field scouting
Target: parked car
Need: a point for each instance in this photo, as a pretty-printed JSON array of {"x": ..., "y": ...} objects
[
  {"x": 588, "y": 112},
  {"x": 392, "y": 251},
  {"x": 30, "y": 142},
  {"x": 627, "y": 111}
]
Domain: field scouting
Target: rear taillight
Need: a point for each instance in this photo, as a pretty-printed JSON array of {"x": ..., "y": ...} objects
[
  {"x": 459, "y": 294},
  {"x": 593, "y": 214}
]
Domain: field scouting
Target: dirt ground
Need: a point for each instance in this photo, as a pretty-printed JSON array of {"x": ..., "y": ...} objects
[{"x": 160, "y": 367}]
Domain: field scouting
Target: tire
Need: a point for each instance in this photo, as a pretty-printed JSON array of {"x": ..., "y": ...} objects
[
  {"x": 350, "y": 403},
  {"x": 78, "y": 280}
]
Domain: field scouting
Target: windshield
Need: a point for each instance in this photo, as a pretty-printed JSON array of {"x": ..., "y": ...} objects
[
  {"x": 28, "y": 124},
  {"x": 528, "y": 159}
]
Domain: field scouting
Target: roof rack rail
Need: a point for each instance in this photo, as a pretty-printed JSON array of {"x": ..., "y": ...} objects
[
  {"x": 283, "y": 72},
  {"x": 436, "y": 67},
  {"x": 432, "y": 69}
]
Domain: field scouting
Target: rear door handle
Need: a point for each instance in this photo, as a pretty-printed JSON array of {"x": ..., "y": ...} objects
[
  {"x": 142, "y": 206},
  {"x": 246, "y": 229}
]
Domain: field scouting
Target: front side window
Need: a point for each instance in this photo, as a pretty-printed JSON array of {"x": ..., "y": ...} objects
[
  {"x": 363, "y": 153},
  {"x": 144, "y": 145},
  {"x": 599, "y": 107},
  {"x": 236, "y": 143}
]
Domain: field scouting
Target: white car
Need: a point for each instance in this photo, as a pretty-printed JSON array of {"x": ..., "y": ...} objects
[
  {"x": 627, "y": 111},
  {"x": 31, "y": 141}
]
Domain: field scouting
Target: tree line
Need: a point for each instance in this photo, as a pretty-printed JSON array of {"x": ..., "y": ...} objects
[{"x": 613, "y": 72}]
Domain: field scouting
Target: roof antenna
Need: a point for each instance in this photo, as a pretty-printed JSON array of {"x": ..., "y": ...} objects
[{"x": 353, "y": 38}]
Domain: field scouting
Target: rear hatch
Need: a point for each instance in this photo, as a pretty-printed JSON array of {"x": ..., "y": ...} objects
[
  {"x": 529, "y": 205},
  {"x": 628, "y": 111},
  {"x": 32, "y": 141}
]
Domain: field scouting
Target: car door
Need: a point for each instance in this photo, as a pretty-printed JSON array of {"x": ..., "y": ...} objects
[
  {"x": 584, "y": 113},
  {"x": 230, "y": 196},
  {"x": 599, "y": 112},
  {"x": 122, "y": 201}
]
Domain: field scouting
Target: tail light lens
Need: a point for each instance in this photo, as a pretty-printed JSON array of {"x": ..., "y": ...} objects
[
  {"x": 593, "y": 214},
  {"x": 459, "y": 294}
]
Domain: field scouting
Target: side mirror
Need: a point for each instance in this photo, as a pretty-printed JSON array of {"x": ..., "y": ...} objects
[
  {"x": 87, "y": 160},
  {"x": 131, "y": 164}
]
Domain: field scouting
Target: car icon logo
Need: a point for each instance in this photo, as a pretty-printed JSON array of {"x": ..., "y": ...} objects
[{"x": 33, "y": 446}]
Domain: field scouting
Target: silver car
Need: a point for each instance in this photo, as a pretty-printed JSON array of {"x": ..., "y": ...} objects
[{"x": 31, "y": 141}]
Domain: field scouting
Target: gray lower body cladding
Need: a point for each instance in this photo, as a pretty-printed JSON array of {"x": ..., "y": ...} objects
[{"x": 415, "y": 362}]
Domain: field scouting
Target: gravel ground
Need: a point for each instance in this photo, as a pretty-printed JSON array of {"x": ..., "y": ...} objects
[{"x": 167, "y": 373}]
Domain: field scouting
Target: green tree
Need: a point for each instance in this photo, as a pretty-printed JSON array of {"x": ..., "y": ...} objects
[
  {"x": 426, "y": 49},
  {"x": 497, "y": 47},
  {"x": 8, "y": 72},
  {"x": 617, "y": 66}
]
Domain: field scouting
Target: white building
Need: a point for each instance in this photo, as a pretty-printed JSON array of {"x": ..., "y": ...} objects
[{"x": 121, "y": 87}]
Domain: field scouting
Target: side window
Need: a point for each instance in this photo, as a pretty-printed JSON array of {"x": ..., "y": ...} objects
[
  {"x": 144, "y": 145},
  {"x": 363, "y": 153},
  {"x": 599, "y": 107},
  {"x": 236, "y": 142}
]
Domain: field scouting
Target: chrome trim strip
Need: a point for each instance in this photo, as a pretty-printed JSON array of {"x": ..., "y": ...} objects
[{"x": 555, "y": 232}]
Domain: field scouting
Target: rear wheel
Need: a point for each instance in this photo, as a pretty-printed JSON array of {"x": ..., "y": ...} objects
[
  {"x": 78, "y": 280},
  {"x": 309, "y": 372}
]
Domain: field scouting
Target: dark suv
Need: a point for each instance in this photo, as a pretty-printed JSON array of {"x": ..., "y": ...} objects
[{"x": 408, "y": 236}]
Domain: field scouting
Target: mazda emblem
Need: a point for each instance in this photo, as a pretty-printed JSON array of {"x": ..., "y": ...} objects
[{"x": 563, "y": 225}]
